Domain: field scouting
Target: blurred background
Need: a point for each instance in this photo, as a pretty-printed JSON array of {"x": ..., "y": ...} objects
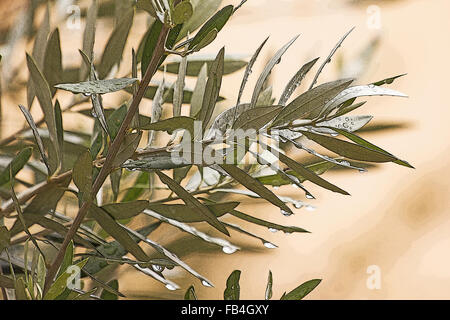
[{"x": 396, "y": 220}]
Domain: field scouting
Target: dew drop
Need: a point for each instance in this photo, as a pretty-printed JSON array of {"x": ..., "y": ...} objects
[
  {"x": 362, "y": 170},
  {"x": 276, "y": 187},
  {"x": 334, "y": 134},
  {"x": 345, "y": 163},
  {"x": 309, "y": 196},
  {"x": 171, "y": 287},
  {"x": 157, "y": 268},
  {"x": 310, "y": 208},
  {"x": 298, "y": 205},
  {"x": 285, "y": 213},
  {"x": 270, "y": 245},
  {"x": 207, "y": 284},
  {"x": 229, "y": 250},
  {"x": 273, "y": 230}
]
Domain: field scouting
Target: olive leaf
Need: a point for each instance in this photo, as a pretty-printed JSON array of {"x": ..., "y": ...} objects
[
  {"x": 232, "y": 291},
  {"x": 170, "y": 125},
  {"x": 199, "y": 91},
  {"x": 184, "y": 213},
  {"x": 97, "y": 86},
  {"x": 302, "y": 290},
  {"x": 256, "y": 118},
  {"x": 125, "y": 210},
  {"x": 190, "y": 294},
  {"x": 192, "y": 202},
  {"x": 89, "y": 37},
  {"x": 82, "y": 174},
  {"x": 268, "y": 294},
  {"x": 310, "y": 103},
  {"x": 268, "y": 69},
  {"x": 16, "y": 164},
  {"x": 203, "y": 10},
  {"x": 182, "y": 12},
  {"x": 53, "y": 68}
]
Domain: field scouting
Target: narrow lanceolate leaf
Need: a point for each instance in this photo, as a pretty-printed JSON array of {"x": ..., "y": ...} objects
[
  {"x": 112, "y": 55},
  {"x": 150, "y": 45},
  {"x": 82, "y": 174},
  {"x": 248, "y": 71},
  {"x": 6, "y": 282},
  {"x": 117, "y": 232},
  {"x": 233, "y": 290},
  {"x": 268, "y": 69},
  {"x": 199, "y": 91},
  {"x": 348, "y": 123},
  {"x": 190, "y": 294},
  {"x": 45, "y": 100},
  {"x": 295, "y": 82},
  {"x": 216, "y": 23},
  {"x": 212, "y": 89},
  {"x": 267, "y": 224},
  {"x": 195, "y": 64},
  {"x": 97, "y": 86},
  {"x": 125, "y": 210},
  {"x": 192, "y": 202},
  {"x": 346, "y": 109},
  {"x": 362, "y": 142},
  {"x": 15, "y": 165},
  {"x": 254, "y": 185},
  {"x": 268, "y": 294},
  {"x": 171, "y": 124},
  {"x": 309, "y": 175},
  {"x": 359, "y": 91},
  {"x": 53, "y": 68},
  {"x": 4, "y": 238},
  {"x": 128, "y": 147},
  {"x": 89, "y": 37},
  {"x": 203, "y": 10},
  {"x": 328, "y": 59},
  {"x": 225, "y": 119},
  {"x": 38, "y": 52},
  {"x": 183, "y": 213},
  {"x": 68, "y": 259},
  {"x": 106, "y": 295},
  {"x": 256, "y": 118},
  {"x": 302, "y": 291},
  {"x": 37, "y": 137},
  {"x": 388, "y": 80},
  {"x": 179, "y": 88},
  {"x": 349, "y": 150},
  {"x": 61, "y": 282},
  {"x": 310, "y": 103}
]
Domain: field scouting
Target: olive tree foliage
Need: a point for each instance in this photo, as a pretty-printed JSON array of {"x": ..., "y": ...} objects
[{"x": 112, "y": 170}]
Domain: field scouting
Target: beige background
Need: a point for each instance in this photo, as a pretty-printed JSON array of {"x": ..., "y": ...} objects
[{"x": 396, "y": 218}]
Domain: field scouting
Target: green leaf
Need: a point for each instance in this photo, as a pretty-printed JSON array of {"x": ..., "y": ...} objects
[
  {"x": 216, "y": 22},
  {"x": 248, "y": 71},
  {"x": 302, "y": 291},
  {"x": 195, "y": 64},
  {"x": 134, "y": 192},
  {"x": 178, "y": 88},
  {"x": 208, "y": 39},
  {"x": 309, "y": 175},
  {"x": 21, "y": 289},
  {"x": 15, "y": 165},
  {"x": 295, "y": 82},
  {"x": 127, "y": 149},
  {"x": 53, "y": 68},
  {"x": 125, "y": 210},
  {"x": 117, "y": 232},
  {"x": 199, "y": 91},
  {"x": 112, "y": 54},
  {"x": 254, "y": 185},
  {"x": 212, "y": 89},
  {"x": 4, "y": 238},
  {"x": 82, "y": 174},
  {"x": 268, "y": 69},
  {"x": 89, "y": 37},
  {"x": 182, "y": 12},
  {"x": 359, "y": 91},
  {"x": 68, "y": 259},
  {"x": 388, "y": 80},
  {"x": 146, "y": 5},
  {"x": 184, "y": 213},
  {"x": 328, "y": 59},
  {"x": 349, "y": 150},
  {"x": 97, "y": 86},
  {"x": 203, "y": 9},
  {"x": 192, "y": 202},
  {"x": 310, "y": 103},
  {"x": 60, "y": 284},
  {"x": 362, "y": 142},
  {"x": 190, "y": 294},
  {"x": 115, "y": 120},
  {"x": 256, "y": 118},
  {"x": 106, "y": 295},
  {"x": 171, "y": 124},
  {"x": 232, "y": 291},
  {"x": 150, "y": 45},
  {"x": 45, "y": 100},
  {"x": 268, "y": 294}
]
